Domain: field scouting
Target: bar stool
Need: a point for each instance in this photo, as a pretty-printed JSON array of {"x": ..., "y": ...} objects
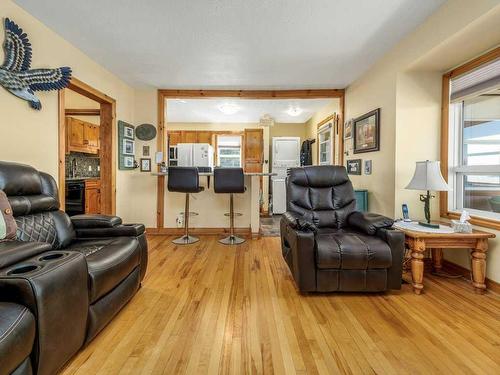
[
  {"x": 184, "y": 180},
  {"x": 230, "y": 181}
]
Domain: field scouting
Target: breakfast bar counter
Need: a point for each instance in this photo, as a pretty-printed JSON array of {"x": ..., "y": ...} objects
[{"x": 211, "y": 207}]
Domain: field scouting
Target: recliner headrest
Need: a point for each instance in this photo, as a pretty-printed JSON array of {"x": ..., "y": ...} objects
[
  {"x": 28, "y": 190},
  {"x": 318, "y": 176}
]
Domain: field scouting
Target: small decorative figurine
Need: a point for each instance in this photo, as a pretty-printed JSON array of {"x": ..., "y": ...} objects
[{"x": 16, "y": 75}]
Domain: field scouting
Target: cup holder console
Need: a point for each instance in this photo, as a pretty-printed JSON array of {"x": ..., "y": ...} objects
[
  {"x": 22, "y": 269},
  {"x": 52, "y": 256}
]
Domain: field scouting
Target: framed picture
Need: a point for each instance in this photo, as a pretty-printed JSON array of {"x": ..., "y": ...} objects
[
  {"x": 366, "y": 130},
  {"x": 354, "y": 166},
  {"x": 348, "y": 129},
  {"x": 368, "y": 167},
  {"x": 145, "y": 165},
  {"x": 128, "y": 147},
  {"x": 128, "y": 161},
  {"x": 128, "y": 132},
  {"x": 145, "y": 150}
]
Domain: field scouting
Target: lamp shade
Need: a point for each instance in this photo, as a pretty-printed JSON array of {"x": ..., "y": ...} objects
[{"x": 428, "y": 177}]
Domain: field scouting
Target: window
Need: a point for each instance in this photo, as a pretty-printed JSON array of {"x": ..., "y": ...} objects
[
  {"x": 474, "y": 142},
  {"x": 229, "y": 151}
]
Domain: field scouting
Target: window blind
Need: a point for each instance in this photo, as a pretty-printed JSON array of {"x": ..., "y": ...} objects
[{"x": 484, "y": 78}]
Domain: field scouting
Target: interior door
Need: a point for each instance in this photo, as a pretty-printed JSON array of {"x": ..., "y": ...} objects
[{"x": 254, "y": 150}]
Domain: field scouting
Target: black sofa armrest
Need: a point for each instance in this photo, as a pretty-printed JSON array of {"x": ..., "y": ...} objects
[
  {"x": 369, "y": 223},
  {"x": 297, "y": 244},
  {"x": 396, "y": 241},
  {"x": 122, "y": 230},
  {"x": 12, "y": 252},
  {"x": 95, "y": 221},
  {"x": 298, "y": 222}
]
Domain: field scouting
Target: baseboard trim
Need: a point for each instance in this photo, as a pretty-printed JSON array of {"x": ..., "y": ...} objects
[
  {"x": 198, "y": 231},
  {"x": 458, "y": 269}
]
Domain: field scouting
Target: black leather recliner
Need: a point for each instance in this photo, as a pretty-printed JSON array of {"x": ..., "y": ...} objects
[
  {"x": 330, "y": 247},
  {"x": 73, "y": 274}
]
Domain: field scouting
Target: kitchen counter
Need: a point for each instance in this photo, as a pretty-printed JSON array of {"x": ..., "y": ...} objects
[
  {"x": 258, "y": 174},
  {"x": 211, "y": 206},
  {"x": 81, "y": 178}
]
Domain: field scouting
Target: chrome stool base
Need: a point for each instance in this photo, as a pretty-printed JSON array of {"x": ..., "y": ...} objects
[
  {"x": 232, "y": 240},
  {"x": 185, "y": 240}
]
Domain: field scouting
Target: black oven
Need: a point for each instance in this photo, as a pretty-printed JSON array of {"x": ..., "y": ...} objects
[{"x": 75, "y": 197}]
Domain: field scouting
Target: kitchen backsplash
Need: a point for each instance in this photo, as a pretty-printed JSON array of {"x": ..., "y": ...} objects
[{"x": 86, "y": 166}]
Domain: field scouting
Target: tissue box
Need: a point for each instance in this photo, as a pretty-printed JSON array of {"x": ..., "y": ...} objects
[{"x": 459, "y": 227}]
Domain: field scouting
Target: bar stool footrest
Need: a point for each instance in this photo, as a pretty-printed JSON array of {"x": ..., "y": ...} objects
[{"x": 235, "y": 214}]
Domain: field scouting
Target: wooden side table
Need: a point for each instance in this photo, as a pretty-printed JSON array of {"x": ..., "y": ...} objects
[{"x": 419, "y": 242}]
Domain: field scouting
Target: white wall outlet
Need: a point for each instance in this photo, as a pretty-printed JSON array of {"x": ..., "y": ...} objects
[{"x": 180, "y": 221}]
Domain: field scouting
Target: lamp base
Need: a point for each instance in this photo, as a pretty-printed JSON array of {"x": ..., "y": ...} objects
[{"x": 428, "y": 225}]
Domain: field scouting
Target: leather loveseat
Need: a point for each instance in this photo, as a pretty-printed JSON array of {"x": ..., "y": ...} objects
[
  {"x": 330, "y": 247},
  {"x": 65, "y": 276}
]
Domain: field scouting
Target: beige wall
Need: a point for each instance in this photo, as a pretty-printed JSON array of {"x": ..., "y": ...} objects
[
  {"x": 406, "y": 85},
  {"x": 74, "y": 100},
  {"x": 30, "y": 136},
  {"x": 281, "y": 129}
]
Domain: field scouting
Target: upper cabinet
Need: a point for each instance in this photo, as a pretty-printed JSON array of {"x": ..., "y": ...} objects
[
  {"x": 204, "y": 137},
  {"x": 174, "y": 137},
  {"x": 254, "y": 150},
  {"x": 189, "y": 136},
  {"x": 82, "y": 136}
]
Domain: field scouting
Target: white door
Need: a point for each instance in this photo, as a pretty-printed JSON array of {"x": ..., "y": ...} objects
[
  {"x": 286, "y": 152},
  {"x": 279, "y": 195}
]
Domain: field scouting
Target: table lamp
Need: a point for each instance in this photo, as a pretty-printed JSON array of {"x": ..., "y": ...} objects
[{"x": 427, "y": 177}]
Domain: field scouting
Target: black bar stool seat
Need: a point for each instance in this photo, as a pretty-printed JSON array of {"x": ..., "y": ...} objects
[
  {"x": 230, "y": 181},
  {"x": 184, "y": 180}
]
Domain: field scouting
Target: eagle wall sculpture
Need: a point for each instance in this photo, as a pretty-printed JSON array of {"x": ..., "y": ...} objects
[{"x": 15, "y": 73}]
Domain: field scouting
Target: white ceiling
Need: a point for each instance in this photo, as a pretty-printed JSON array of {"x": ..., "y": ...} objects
[
  {"x": 207, "y": 110},
  {"x": 233, "y": 43}
]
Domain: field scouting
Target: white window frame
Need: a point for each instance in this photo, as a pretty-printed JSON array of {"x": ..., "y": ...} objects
[
  {"x": 456, "y": 169},
  {"x": 219, "y": 147}
]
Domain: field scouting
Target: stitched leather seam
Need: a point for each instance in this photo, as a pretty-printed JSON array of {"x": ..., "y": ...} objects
[{"x": 13, "y": 325}]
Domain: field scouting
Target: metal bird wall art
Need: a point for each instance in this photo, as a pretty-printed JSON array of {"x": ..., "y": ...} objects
[{"x": 15, "y": 73}]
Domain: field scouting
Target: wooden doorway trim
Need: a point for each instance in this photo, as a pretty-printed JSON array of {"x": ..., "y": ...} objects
[
  {"x": 164, "y": 94},
  {"x": 107, "y": 134}
]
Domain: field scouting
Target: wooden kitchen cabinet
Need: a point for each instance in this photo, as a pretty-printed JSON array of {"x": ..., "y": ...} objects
[
  {"x": 189, "y": 136},
  {"x": 254, "y": 150},
  {"x": 204, "y": 137},
  {"x": 92, "y": 196},
  {"x": 174, "y": 137},
  {"x": 82, "y": 136}
]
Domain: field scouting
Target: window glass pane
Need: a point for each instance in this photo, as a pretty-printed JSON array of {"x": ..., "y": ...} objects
[
  {"x": 481, "y": 131},
  {"x": 482, "y": 192}
]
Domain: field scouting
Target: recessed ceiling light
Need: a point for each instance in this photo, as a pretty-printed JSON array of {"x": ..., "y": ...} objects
[
  {"x": 229, "y": 108},
  {"x": 294, "y": 111}
]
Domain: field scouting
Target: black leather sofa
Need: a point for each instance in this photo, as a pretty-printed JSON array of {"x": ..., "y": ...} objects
[
  {"x": 65, "y": 276},
  {"x": 330, "y": 247}
]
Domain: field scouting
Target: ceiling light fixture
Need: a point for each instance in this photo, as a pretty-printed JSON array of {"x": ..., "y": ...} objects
[
  {"x": 229, "y": 108},
  {"x": 294, "y": 111}
]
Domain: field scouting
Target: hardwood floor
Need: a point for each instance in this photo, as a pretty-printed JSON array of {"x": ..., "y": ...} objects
[{"x": 209, "y": 308}]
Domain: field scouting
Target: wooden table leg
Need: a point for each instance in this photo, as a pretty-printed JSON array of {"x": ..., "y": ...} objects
[
  {"x": 478, "y": 265},
  {"x": 417, "y": 265},
  {"x": 437, "y": 259}
]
